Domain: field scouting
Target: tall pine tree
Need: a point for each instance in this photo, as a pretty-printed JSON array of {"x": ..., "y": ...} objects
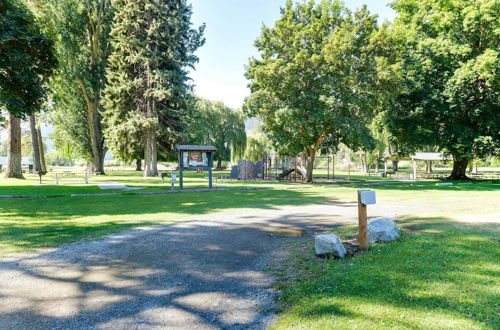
[{"x": 147, "y": 93}]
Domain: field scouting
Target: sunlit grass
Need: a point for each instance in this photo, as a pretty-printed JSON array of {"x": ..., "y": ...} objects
[{"x": 440, "y": 274}]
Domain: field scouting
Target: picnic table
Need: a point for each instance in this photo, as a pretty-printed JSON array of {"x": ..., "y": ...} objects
[{"x": 70, "y": 174}]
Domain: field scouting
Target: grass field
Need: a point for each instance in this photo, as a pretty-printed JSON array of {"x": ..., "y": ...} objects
[
  {"x": 439, "y": 275},
  {"x": 443, "y": 273}
]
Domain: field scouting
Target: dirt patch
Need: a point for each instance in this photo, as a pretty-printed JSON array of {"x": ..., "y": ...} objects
[{"x": 288, "y": 232}]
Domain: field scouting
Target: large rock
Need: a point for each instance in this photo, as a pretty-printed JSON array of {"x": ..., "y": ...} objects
[
  {"x": 329, "y": 245},
  {"x": 382, "y": 229}
]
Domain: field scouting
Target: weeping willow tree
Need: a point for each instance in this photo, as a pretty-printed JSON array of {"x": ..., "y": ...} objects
[{"x": 220, "y": 126}]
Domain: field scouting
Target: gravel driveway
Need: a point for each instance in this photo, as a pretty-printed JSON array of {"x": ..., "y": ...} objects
[{"x": 205, "y": 273}]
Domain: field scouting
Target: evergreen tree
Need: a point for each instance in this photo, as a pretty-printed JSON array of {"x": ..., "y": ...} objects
[{"x": 147, "y": 93}]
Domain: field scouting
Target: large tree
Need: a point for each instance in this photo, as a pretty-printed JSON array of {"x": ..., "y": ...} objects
[
  {"x": 220, "y": 126},
  {"x": 148, "y": 85},
  {"x": 82, "y": 32},
  {"x": 449, "y": 75},
  {"x": 314, "y": 85},
  {"x": 26, "y": 60}
]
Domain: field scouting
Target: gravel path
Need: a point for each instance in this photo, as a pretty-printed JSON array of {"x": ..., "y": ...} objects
[{"x": 205, "y": 273}]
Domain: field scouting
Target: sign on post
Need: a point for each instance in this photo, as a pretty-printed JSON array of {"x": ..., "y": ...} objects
[
  {"x": 174, "y": 174},
  {"x": 365, "y": 197}
]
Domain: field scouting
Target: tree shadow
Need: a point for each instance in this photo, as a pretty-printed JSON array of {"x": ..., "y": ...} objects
[
  {"x": 423, "y": 186},
  {"x": 32, "y": 223},
  {"x": 192, "y": 275}
]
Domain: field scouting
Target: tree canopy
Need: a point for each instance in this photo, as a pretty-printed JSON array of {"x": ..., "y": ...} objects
[
  {"x": 81, "y": 30},
  {"x": 26, "y": 59},
  {"x": 315, "y": 83},
  {"x": 449, "y": 79},
  {"x": 148, "y": 85},
  {"x": 218, "y": 125}
]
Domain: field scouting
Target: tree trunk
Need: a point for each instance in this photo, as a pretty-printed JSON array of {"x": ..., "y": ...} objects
[
  {"x": 138, "y": 165},
  {"x": 95, "y": 131},
  {"x": 14, "y": 169},
  {"x": 366, "y": 168},
  {"x": 310, "y": 152},
  {"x": 41, "y": 149},
  {"x": 219, "y": 164},
  {"x": 395, "y": 165},
  {"x": 150, "y": 154},
  {"x": 377, "y": 164},
  {"x": 90, "y": 168},
  {"x": 37, "y": 167},
  {"x": 459, "y": 168},
  {"x": 363, "y": 164},
  {"x": 310, "y": 166}
]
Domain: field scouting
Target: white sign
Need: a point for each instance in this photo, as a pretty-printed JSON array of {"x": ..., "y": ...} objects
[{"x": 366, "y": 197}]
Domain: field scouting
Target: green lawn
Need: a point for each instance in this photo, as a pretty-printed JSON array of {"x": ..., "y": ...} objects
[{"x": 443, "y": 273}]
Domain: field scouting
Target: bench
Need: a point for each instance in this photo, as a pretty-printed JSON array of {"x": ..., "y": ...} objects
[
  {"x": 388, "y": 174},
  {"x": 68, "y": 174}
]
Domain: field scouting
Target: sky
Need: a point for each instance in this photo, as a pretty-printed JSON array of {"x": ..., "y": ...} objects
[{"x": 232, "y": 26}]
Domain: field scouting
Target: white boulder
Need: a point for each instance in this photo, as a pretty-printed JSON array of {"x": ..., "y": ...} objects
[
  {"x": 329, "y": 245},
  {"x": 382, "y": 229}
]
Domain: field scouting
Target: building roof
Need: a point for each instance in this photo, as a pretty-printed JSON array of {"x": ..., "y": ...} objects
[
  {"x": 429, "y": 156},
  {"x": 24, "y": 160},
  {"x": 195, "y": 148},
  {"x": 419, "y": 156}
]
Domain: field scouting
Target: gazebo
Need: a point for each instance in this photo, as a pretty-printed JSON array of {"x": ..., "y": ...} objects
[
  {"x": 197, "y": 158},
  {"x": 418, "y": 156}
]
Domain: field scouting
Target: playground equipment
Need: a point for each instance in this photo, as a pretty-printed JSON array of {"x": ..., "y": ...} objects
[{"x": 273, "y": 167}]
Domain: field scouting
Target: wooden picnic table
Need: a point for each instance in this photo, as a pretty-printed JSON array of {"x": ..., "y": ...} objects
[{"x": 71, "y": 174}]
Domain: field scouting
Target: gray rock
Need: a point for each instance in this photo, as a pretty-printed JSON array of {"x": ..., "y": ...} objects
[
  {"x": 382, "y": 229},
  {"x": 329, "y": 244}
]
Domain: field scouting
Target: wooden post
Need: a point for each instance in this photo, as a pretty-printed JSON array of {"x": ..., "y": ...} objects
[
  {"x": 365, "y": 197},
  {"x": 414, "y": 170},
  {"x": 328, "y": 169},
  {"x": 210, "y": 164},
  {"x": 181, "y": 165},
  {"x": 333, "y": 167},
  {"x": 363, "y": 227}
]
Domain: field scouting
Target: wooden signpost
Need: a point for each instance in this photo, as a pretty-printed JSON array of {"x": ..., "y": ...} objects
[{"x": 365, "y": 197}]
